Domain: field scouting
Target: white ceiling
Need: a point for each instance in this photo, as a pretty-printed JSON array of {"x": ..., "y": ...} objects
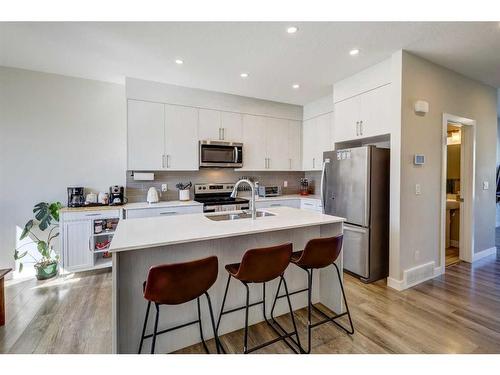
[{"x": 216, "y": 53}]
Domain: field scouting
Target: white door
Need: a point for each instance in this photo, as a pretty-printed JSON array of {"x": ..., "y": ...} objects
[
  {"x": 346, "y": 119},
  {"x": 209, "y": 125},
  {"x": 231, "y": 126},
  {"x": 375, "y": 114},
  {"x": 254, "y": 143},
  {"x": 77, "y": 254},
  {"x": 309, "y": 129},
  {"x": 294, "y": 145},
  {"x": 181, "y": 138},
  {"x": 277, "y": 144},
  {"x": 145, "y": 135},
  {"x": 322, "y": 139}
]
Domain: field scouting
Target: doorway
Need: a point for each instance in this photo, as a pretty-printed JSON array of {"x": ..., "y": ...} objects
[{"x": 457, "y": 195}]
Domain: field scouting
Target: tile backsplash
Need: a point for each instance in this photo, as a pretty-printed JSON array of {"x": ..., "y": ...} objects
[{"x": 137, "y": 190}]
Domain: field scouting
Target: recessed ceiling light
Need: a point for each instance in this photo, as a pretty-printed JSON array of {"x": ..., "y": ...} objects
[
  {"x": 179, "y": 61},
  {"x": 292, "y": 29},
  {"x": 244, "y": 75},
  {"x": 354, "y": 52},
  {"x": 296, "y": 86}
]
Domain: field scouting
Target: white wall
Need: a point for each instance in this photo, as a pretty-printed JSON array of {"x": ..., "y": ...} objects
[
  {"x": 449, "y": 92},
  {"x": 55, "y": 132},
  {"x": 171, "y": 94}
]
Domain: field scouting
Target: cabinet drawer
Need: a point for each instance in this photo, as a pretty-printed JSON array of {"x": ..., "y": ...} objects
[
  {"x": 91, "y": 215},
  {"x": 294, "y": 203},
  {"x": 163, "y": 211}
]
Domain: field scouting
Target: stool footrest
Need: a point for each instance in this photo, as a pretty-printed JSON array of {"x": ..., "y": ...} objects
[{"x": 172, "y": 329}]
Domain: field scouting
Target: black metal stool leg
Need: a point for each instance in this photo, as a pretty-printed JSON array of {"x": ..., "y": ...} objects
[
  {"x": 201, "y": 327},
  {"x": 144, "y": 327},
  {"x": 275, "y": 299},
  {"x": 309, "y": 307},
  {"x": 155, "y": 329},
  {"x": 351, "y": 331},
  {"x": 218, "y": 345},
  {"x": 223, "y": 303},
  {"x": 245, "y": 345},
  {"x": 291, "y": 314}
]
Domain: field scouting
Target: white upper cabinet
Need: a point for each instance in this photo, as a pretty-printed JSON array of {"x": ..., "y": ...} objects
[
  {"x": 145, "y": 135},
  {"x": 277, "y": 144},
  {"x": 254, "y": 143},
  {"x": 364, "y": 115},
  {"x": 209, "y": 126},
  {"x": 294, "y": 145},
  {"x": 181, "y": 138},
  {"x": 232, "y": 126},
  {"x": 317, "y": 138},
  {"x": 220, "y": 126}
]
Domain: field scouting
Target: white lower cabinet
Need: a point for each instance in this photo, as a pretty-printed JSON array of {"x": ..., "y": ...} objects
[
  {"x": 85, "y": 238},
  {"x": 162, "y": 211}
]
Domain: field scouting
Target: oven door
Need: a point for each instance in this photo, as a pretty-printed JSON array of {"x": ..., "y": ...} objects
[{"x": 221, "y": 154}]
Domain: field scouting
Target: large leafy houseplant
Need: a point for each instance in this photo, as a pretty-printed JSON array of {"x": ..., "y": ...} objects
[{"x": 46, "y": 220}]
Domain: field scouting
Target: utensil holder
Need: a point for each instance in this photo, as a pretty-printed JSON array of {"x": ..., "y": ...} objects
[{"x": 183, "y": 195}]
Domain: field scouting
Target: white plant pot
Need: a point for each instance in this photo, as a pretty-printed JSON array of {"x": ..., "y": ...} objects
[{"x": 184, "y": 195}]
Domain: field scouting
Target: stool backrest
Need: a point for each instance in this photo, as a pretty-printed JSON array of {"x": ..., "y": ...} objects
[
  {"x": 321, "y": 252},
  {"x": 177, "y": 283},
  {"x": 264, "y": 264}
]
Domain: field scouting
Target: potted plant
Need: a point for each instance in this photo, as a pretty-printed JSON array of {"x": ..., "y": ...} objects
[
  {"x": 46, "y": 219},
  {"x": 184, "y": 190}
]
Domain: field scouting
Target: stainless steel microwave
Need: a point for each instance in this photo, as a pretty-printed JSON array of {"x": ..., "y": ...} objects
[{"x": 217, "y": 154}]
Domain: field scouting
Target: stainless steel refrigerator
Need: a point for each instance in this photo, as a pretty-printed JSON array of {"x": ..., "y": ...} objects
[{"x": 355, "y": 185}]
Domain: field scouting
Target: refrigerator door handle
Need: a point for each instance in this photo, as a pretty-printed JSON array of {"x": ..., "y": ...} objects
[{"x": 323, "y": 183}]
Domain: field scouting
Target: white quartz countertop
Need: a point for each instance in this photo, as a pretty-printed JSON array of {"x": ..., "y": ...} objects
[
  {"x": 143, "y": 233},
  {"x": 161, "y": 204}
]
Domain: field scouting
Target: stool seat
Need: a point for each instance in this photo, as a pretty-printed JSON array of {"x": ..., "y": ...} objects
[{"x": 318, "y": 253}]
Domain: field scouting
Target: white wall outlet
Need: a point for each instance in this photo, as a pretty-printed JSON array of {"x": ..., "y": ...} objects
[
  {"x": 417, "y": 255},
  {"x": 163, "y": 188},
  {"x": 285, "y": 183},
  {"x": 418, "y": 189},
  {"x": 486, "y": 185}
]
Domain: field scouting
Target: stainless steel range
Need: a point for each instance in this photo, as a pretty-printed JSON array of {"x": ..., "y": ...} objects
[{"x": 217, "y": 198}]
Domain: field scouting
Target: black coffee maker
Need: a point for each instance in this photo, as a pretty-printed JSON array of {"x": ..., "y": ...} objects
[
  {"x": 117, "y": 195},
  {"x": 76, "y": 197}
]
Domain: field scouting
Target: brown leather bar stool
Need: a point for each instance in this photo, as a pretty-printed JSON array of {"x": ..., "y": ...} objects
[
  {"x": 174, "y": 284},
  {"x": 318, "y": 253},
  {"x": 261, "y": 266}
]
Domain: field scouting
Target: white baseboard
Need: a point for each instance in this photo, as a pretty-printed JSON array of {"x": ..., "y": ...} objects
[
  {"x": 404, "y": 284},
  {"x": 483, "y": 253}
]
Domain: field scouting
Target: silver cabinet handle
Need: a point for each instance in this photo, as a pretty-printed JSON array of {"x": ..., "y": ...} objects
[
  {"x": 163, "y": 161},
  {"x": 268, "y": 163},
  {"x": 168, "y": 213},
  {"x": 357, "y": 128},
  {"x": 223, "y": 133},
  {"x": 290, "y": 163},
  {"x": 361, "y": 127},
  {"x": 92, "y": 214},
  {"x": 168, "y": 161},
  {"x": 314, "y": 163},
  {"x": 275, "y": 205},
  {"x": 220, "y": 134}
]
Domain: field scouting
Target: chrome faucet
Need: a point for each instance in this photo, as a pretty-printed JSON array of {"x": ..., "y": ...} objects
[{"x": 234, "y": 194}]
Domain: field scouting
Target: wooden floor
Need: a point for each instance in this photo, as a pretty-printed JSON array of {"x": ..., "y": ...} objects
[
  {"x": 458, "y": 312},
  {"x": 452, "y": 256}
]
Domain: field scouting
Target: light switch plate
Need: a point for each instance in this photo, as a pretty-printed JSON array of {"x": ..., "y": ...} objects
[
  {"x": 163, "y": 188},
  {"x": 285, "y": 183},
  {"x": 418, "y": 189},
  {"x": 486, "y": 185}
]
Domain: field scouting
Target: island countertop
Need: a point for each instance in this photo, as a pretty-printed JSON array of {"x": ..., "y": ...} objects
[{"x": 143, "y": 233}]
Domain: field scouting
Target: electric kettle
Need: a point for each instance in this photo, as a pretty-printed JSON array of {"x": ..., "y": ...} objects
[{"x": 153, "y": 195}]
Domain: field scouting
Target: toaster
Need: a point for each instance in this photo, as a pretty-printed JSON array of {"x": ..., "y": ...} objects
[{"x": 269, "y": 191}]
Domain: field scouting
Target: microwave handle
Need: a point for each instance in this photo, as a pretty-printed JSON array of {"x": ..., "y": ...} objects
[{"x": 236, "y": 154}]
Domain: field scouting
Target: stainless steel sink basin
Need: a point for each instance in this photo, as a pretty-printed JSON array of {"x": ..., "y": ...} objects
[{"x": 237, "y": 215}]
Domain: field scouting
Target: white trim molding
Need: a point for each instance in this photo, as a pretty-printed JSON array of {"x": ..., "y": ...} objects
[
  {"x": 483, "y": 253},
  {"x": 403, "y": 284}
]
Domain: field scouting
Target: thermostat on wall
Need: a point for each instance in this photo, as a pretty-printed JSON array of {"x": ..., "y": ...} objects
[{"x": 419, "y": 159}]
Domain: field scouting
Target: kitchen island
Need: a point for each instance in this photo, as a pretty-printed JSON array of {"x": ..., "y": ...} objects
[{"x": 139, "y": 244}]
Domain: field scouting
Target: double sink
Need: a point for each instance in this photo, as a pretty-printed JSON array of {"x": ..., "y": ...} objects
[{"x": 238, "y": 215}]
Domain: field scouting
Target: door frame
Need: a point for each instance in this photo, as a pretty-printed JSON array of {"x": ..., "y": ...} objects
[{"x": 467, "y": 186}]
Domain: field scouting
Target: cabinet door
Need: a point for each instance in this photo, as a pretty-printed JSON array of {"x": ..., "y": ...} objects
[
  {"x": 322, "y": 139},
  {"x": 181, "y": 138},
  {"x": 254, "y": 142},
  {"x": 375, "y": 112},
  {"x": 209, "y": 125},
  {"x": 77, "y": 254},
  {"x": 294, "y": 145},
  {"x": 309, "y": 129},
  {"x": 145, "y": 135},
  {"x": 346, "y": 116},
  {"x": 231, "y": 126},
  {"x": 277, "y": 144}
]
